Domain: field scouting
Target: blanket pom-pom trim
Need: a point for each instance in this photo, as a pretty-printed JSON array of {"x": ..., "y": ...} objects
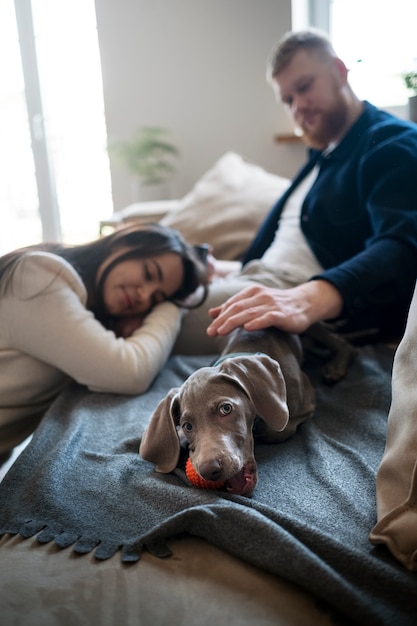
[{"x": 102, "y": 550}]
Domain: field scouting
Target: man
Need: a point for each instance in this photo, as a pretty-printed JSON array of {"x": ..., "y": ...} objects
[{"x": 342, "y": 241}]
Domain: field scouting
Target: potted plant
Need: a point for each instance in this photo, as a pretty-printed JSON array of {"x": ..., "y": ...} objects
[
  {"x": 149, "y": 156},
  {"x": 410, "y": 80}
]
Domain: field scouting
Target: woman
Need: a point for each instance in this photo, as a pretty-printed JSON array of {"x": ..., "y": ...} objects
[{"x": 66, "y": 312}]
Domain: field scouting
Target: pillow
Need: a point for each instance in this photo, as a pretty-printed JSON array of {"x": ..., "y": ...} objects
[{"x": 227, "y": 205}]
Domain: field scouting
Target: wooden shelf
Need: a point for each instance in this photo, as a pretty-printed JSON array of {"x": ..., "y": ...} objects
[{"x": 288, "y": 138}]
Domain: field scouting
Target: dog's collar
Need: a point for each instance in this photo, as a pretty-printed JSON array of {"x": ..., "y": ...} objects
[{"x": 234, "y": 355}]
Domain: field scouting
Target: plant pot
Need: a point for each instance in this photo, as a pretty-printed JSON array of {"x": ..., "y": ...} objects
[
  {"x": 141, "y": 192},
  {"x": 412, "y": 108}
]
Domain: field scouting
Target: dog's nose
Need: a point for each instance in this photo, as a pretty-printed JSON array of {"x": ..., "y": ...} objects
[{"x": 210, "y": 470}]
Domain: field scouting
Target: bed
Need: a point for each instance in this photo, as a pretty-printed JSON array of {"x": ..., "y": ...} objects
[{"x": 91, "y": 534}]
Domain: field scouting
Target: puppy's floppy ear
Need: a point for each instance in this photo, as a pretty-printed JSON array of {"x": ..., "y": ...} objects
[
  {"x": 160, "y": 443},
  {"x": 262, "y": 380}
]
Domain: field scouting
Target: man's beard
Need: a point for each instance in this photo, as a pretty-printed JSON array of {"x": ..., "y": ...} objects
[{"x": 332, "y": 124}]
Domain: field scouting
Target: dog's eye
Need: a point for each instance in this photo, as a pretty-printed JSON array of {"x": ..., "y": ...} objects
[
  {"x": 225, "y": 409},
  {"x": 187, "y": 426}
]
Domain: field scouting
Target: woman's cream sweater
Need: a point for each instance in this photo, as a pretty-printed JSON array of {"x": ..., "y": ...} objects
[{"x": 48, "y": 337}]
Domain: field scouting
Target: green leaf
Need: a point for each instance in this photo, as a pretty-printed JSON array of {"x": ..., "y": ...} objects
[{"x": 148, "y": 155}]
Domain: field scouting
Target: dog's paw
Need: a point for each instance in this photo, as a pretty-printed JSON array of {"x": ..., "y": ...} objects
[{"x": 334, "y": 370}]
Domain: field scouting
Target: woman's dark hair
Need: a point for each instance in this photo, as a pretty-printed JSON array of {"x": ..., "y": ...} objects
[{"x": 143, "y": 241}]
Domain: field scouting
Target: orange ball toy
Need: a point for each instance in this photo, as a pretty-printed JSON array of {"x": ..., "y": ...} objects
[{"x": 197, "y": 481}]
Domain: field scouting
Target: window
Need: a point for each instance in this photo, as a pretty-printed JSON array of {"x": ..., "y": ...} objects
[
  {"x": 375, "y": 39},
  {"x": 73, "y": 177},
  {"x": 20, "y": 221}
]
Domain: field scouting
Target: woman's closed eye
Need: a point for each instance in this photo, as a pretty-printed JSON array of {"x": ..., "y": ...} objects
[
  {"x": 153, "y": 274},
  {"x": 153, "y": 271},
  {"x": 147, "y": 272}
]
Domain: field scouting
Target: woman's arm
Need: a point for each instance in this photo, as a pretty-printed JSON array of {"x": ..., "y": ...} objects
[
  {"x": 218, "y": 268},
  {"x": 50, "y": 322}
]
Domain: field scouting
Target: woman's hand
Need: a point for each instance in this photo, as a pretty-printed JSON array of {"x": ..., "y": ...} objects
[
  {"x": 217, "y": 268},
  {"x": 292, "y": 310}
]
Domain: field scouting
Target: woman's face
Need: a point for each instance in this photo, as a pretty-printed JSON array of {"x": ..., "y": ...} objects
[{"x": 134, "y": 286}]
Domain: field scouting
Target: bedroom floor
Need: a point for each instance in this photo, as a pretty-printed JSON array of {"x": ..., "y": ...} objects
[{"x": 199, "y": 585}]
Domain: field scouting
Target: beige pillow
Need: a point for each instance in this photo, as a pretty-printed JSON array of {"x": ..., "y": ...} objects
[{"x": 227, "y": 205}]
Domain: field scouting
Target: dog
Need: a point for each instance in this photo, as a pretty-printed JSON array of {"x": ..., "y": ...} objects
[{"x": 257, "y": 390}]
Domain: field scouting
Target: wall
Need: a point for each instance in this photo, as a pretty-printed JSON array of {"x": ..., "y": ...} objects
[{"x": 196, "y": 67}]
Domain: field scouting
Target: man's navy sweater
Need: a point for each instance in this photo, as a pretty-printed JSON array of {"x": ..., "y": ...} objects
[{"x": 360, "y": 219}]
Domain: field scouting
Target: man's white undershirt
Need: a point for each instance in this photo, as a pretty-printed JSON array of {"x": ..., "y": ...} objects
[{"x": 289, "y": 255}]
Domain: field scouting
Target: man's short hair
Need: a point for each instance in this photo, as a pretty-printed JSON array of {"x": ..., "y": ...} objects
[{"x": 311, "y": 40}]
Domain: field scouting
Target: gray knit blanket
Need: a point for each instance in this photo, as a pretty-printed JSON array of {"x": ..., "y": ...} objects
[{"x": 82, "y": 483}]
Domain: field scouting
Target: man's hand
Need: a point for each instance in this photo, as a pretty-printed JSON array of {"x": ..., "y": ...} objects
[{"x": 292, "y": 310}]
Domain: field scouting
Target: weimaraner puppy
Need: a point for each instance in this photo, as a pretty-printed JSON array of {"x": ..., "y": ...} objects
[{"x": 256, "y": 389}]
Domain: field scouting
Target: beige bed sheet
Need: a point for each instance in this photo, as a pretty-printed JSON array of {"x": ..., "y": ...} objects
[{"x": 41, "y": 585}]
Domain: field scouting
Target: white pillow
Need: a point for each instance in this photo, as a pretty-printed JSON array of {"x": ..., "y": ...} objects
[{"x": 227, "y": 205}]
